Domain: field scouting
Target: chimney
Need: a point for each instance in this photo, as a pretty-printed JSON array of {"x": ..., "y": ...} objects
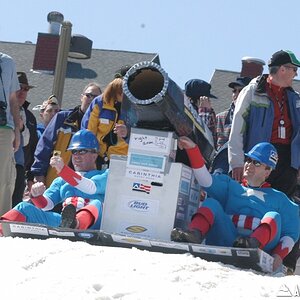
[
  {"x": 47, "y": 44},
  {"x": 252, "y": 66}
]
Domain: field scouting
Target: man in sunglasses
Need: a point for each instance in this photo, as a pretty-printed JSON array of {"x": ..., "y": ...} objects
[
  {"x": 268, "y": 109},
  {"x": 223, "y": 127},
  {"x": 58, "y": 134},
  {"x": 251, "y": 215},
  {"x": 81, "y": 191}
]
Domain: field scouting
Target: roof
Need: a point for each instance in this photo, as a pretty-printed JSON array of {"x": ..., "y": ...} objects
[
  {"x": 219, "y": 82},
  {"x": 100, "y": 68}
]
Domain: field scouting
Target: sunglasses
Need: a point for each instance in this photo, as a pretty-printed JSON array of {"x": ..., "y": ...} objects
[
  {"x": 236, "y": 90},
  {"x": 90, "y": 95},
  {"x": 254, "y": 162},
  {"x": 295, "y": 69},
  {"x": 24, "y": 88},
  {"x": 82, "y": 151}
]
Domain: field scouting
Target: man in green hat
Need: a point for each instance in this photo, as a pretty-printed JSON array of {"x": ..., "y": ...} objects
[{"x": 268, "y": 110}]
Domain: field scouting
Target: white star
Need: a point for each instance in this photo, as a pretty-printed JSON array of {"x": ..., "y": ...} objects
[{"x": 258, "y": 194}]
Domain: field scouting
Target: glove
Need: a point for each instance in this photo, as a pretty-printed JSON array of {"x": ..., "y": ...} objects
[{"x": 37, "y": 189}]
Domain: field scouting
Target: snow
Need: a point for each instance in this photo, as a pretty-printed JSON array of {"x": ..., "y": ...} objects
[{"x": 61, "y": 269}]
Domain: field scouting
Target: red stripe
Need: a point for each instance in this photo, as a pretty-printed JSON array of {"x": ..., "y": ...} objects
[
  {"x": 272, "y": 224},
  {"x": 282, "y": 252},
  {"x": 235, "y": 219},
  {"x": 69, "y": 175},
  {"x": 195, "y": 157},
  {"x": 248, "y": 222}
]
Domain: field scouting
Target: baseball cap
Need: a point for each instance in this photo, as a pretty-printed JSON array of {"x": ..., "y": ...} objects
[
  {"x": 282, "y": 57},
  {"x": 240, "y": 81},
  {"x": 196, "y": 88}
]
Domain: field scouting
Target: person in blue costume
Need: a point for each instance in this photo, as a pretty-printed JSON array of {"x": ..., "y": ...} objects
[
  {"x": 81, "y": 191},
  {"x": 247, "y": 215}
]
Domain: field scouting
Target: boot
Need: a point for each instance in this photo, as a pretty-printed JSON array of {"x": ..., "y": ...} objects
[
  {"x": 187, "y": 236},
  {"x": 68, "y": 217},
  {"x": 246, "y": 242}
]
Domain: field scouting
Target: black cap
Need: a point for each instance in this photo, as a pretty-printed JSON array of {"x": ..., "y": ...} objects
[
  {"x": 196, "y": 88},
  {"x": 282, "y": 57},
  {"x": 240, "y": 81}
]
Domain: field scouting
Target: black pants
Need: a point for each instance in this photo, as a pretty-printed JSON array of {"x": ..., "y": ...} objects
[
  {"x": 17, "y": 196},
  {"x": 284, "y": 179}
]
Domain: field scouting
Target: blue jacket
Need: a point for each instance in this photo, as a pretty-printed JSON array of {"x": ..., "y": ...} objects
[
  {"x": 253, "y": 120},
  {"x": 56, "y": 136}
]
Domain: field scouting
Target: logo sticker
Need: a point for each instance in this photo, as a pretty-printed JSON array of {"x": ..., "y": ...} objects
[
  {"x": 139, "y": 205},
  {"x": 136, "y": 229},
  {"x": 140, "y": 187}
]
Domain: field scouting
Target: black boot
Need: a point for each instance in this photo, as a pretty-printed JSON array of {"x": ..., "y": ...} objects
[
  {"x": 68, "y": 217},
  {"x": 187, "y": 236},
  {"x": 246, "y": 242}
]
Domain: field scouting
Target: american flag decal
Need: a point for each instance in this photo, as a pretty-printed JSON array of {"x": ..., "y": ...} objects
[{"x": 139, "y": 187}]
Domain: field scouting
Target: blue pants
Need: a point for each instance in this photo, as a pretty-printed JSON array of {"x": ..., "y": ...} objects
[
  {"x": 223, "y": 232},
  {"x": 50, "y": 218}
]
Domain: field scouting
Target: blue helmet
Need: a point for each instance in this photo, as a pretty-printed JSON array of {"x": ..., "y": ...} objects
[
  {"x": 265, "y": 153},
  {"x": 84, "y": 139}
]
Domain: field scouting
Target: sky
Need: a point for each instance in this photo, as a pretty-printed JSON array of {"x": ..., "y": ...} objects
[
  {"x": 63, "y": 270},
  {"x": 192, "y": 37}
]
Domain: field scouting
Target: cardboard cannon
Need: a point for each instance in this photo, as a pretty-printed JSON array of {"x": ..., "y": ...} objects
[
  {"x": 155, "y": 190},
  {"x": 153, "y": 101}
]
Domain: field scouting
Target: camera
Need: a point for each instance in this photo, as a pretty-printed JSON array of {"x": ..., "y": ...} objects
[{"x": 3, "y": 119}]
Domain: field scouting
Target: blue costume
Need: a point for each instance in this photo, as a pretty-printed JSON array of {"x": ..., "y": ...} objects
[
  {"x": 61, "y": 191},
  {"x": 233, "y": 210},
  {"x": 232, "y": 204}
]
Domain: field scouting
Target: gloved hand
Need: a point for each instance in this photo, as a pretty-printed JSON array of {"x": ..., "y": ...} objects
[
  {"x": 37, "y": 189},
  {"x": 57, "y": 163}
]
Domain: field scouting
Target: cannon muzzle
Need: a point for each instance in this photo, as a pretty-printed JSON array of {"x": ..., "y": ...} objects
[{"x": 153, "y": 101}]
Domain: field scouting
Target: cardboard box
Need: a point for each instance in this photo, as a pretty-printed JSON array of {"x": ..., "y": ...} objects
[{"x": 140, "y": 204}]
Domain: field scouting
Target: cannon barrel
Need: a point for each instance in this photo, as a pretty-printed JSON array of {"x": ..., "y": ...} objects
[{"x": 152, "y": 100}]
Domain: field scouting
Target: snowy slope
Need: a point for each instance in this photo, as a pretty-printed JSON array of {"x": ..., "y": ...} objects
[{"x": 60, "y": 269}]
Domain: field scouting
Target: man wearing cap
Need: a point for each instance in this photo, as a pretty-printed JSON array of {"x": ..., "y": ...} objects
[
  {"x": 25, "y": 155},
  {"x": 81, "y": 191},
  {"x": 223, "y": 127},
  {"x": 198, "y": 92},
  {"x": 268, "y": 110},
  {"x": 9, "y": 129},
  {"x": 251, "y": 215}
]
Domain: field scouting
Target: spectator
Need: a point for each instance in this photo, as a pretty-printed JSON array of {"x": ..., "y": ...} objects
[
  {"x": 25, "y": 155},
  {"x": 223, "y": 127},
  {"x": 268, "y": 110},
  {"x": 57, "y": 136},
  {"x": 103, "y": 118},
  {"x": 81, "y": 190},
  {"x": 252, "y": 215},
  {"x": 9, "y": 129},
  {"x": 198, "y": 92},
  {"x": 48, "y": 110}
]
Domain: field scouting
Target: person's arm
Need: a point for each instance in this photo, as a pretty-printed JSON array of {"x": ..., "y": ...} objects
[
  {"x": 91, "y": 116},
  {"x": 208, "y": 115},
  {"x": 15, "y": 112},
  {"x": 196, "y": 160},
  {"x": 238, "y": 128},
  {"x": 83, "y": 184},
  {"x": 45, "y": 147}
]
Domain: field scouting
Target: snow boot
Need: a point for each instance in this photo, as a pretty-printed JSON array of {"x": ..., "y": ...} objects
[
  {"x": 246, "y": 242},
  {"x": 68, "y": 217},
  {"x": 187, "y": 236}
]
